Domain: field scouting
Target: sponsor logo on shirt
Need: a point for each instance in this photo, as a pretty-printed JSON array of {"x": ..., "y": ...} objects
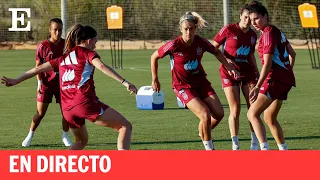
[
  {"x": 68, "y": 87},
  {"x": 191, "y": 65},
  {"x": 235, "y": 37},
  {"x": 199, "y": 51},
  {"x": 241, "y": 60},
  {"x": 243, "y": 50},
  {"x": 67, "y": 76}
]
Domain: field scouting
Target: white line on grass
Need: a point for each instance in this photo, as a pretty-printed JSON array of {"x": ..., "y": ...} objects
[
  {"x": 143, "y": 69},
  {"x": 138, "y": 69}
]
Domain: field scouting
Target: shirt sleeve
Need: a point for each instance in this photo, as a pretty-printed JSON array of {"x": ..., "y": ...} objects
[
  {"x": 39, "y": 53},
  {"x": 92, "y": 55},
  {"x": 221, "y": 37},
  {"x": 166, "y": 49},
  {"x": 269, "y": 42},
  {"x": 55, "y": 63}
]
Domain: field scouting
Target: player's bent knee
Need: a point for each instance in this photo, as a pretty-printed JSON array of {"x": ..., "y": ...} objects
[
  {"x": 270, "y": 121},
  {"x": 37, "y": 118},
  {"x": 250, "y": 115},
  {"x": 124, "y": 125},
  {"x": 40, "y": 114},
  {"x": 205, "y": 116},
  {"x": 84, "y": 142},
  {"x": 127, "y": 125},
  {"x": 220, "y": 115}
]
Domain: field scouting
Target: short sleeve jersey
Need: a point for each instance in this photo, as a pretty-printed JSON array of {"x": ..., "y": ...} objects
[
  {"x": 273, "y": 41},
  {"x": 239, "y": 47},
  {"x": 47, "y": 51},
  {"x": 76, "y": 77},
  {"x": 186, "y": 68}
]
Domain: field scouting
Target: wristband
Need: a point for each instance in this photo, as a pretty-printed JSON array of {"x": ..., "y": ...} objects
[{"x": 39, "y": 84}]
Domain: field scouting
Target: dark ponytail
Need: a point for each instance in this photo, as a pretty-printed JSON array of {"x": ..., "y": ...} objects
[{"x": 78, "y": 34}]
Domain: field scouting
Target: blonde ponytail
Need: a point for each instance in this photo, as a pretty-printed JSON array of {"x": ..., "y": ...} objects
[
  {"x": 194, "y": 17},
  {"x": 201, "y": 23}
]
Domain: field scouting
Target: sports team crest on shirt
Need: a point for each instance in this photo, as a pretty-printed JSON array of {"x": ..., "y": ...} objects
[
  {"x": 183, "y": 94},
  {"x": 225, "y": 81},
  {"x": 180, "y": 54},
  {"x": 252, "y": 40},
  {"x": 199, "y": 51}
]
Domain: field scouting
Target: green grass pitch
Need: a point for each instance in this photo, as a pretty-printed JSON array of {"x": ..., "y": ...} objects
[{"x": 169, "y": 129}]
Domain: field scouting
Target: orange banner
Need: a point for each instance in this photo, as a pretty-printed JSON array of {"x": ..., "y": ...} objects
[{"x": 42, "y": 164}]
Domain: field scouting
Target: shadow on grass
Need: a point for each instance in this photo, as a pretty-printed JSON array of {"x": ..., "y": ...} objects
[
  {"x": 223, "y": 105},
  {"x": 61, "y": 146},
  {"x": 241, "y": 105},
  {"x": 222, "y": 140}
]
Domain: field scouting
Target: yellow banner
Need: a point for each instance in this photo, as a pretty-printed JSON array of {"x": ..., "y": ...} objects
[
  {"x": 308, "y": 15},
  {"x": 114, "y": 17}
]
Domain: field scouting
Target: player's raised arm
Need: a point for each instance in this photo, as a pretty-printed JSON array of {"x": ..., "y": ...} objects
[
  {"x": 113, "y": 74},
  {"x": 29, "y": 74}
]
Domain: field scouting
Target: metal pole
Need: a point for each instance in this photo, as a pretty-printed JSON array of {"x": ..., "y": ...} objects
[
  {"x": 317, "y": 47},
  {"x": 64, "y": 17},
  {"x": 122, "y": 46},
  {"x": 314, "y": 56},
  {"x": 118, "y": 39},
  {"x": 114, "y": 48},
  {"x": 226, "y": 19},
  {"x": 111, "y": 48},
  {"x": 305, "y": 34}
]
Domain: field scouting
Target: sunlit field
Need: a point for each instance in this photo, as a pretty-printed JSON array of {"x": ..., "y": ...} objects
[{"x": 169, "y": 129}]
